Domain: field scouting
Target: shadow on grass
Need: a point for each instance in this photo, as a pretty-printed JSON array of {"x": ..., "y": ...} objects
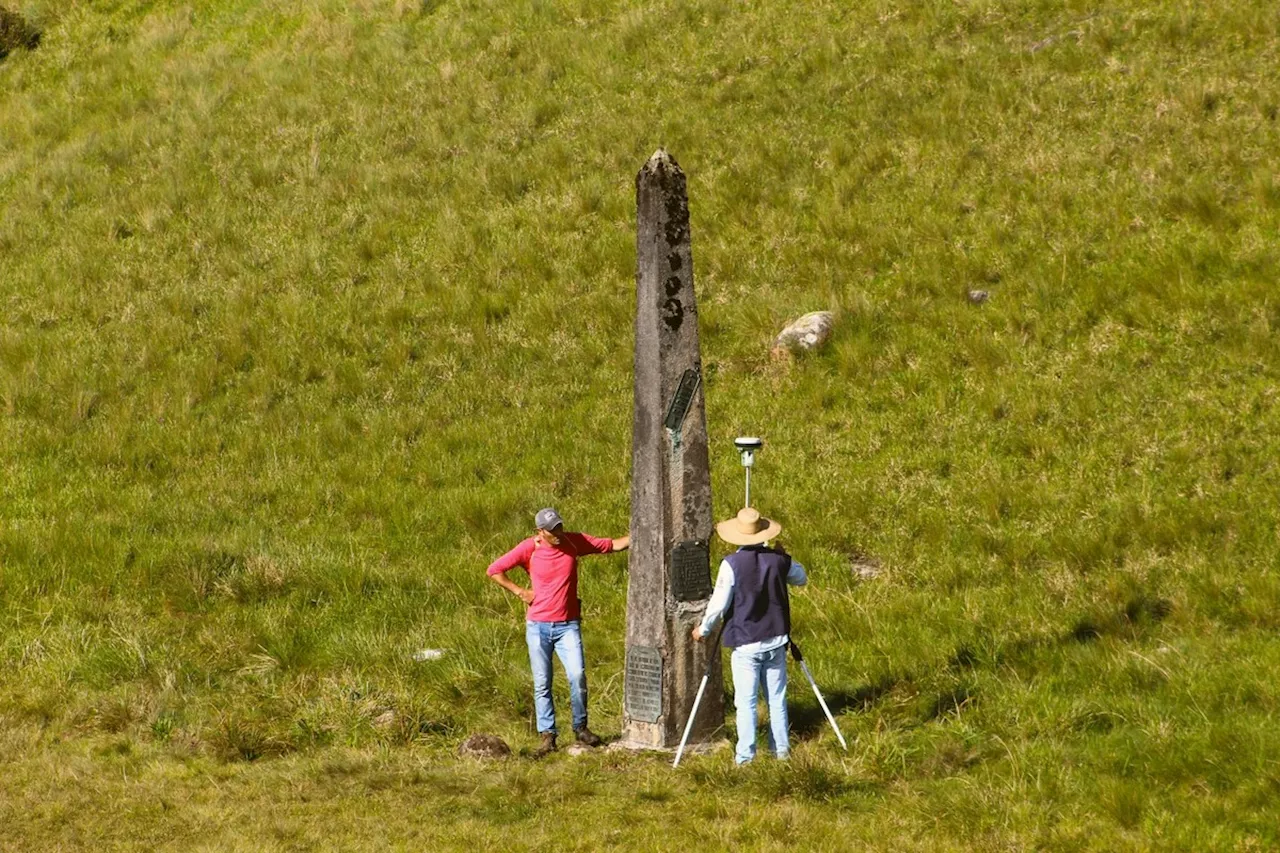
[
  {"x": 948, "y": 702},
  {"x": 1140, "y": 613},
  {"x": 806, "y": 716},
  {"x": 16, "y": 32},
  {"x": 1131, "y": 620}
]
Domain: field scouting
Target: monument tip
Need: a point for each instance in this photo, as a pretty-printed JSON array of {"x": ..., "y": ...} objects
[{"x": 661, "y": 162}]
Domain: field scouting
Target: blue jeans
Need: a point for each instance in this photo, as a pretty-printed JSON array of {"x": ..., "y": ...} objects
[
  {"x": 750, "y": 672},
  {"x": 566, "y": 639}
]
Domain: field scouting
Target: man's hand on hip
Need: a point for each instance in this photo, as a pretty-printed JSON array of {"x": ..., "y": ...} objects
[{"x": 526, "y": 595}]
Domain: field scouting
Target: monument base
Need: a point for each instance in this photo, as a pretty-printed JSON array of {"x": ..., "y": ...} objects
[{"x": 705, "y": 748}]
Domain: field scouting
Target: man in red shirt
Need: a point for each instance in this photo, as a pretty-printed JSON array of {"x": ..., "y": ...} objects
[{"x": 550, "y": 557}]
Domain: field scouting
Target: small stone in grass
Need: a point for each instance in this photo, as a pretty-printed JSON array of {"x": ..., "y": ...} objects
[
  {"x": 864, "y": 566},
  {"x": 484, "y": 746}
]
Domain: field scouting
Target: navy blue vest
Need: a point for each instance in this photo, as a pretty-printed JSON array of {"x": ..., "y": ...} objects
[{"x": 760, "y": 608}]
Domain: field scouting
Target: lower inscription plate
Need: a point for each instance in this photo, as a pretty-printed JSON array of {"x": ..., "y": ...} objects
[{"x": 642, "y": 687}]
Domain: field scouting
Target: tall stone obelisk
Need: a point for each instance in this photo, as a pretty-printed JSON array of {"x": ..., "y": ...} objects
[{"x": 671, "y": 524}]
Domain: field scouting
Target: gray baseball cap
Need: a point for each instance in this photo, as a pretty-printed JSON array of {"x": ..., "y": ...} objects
[{"x": 547, "y": 519}]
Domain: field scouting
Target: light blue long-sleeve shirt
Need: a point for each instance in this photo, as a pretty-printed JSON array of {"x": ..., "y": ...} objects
[{"x": 722, "y": 596}]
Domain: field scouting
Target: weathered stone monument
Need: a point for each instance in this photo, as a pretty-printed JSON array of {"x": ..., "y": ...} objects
[{"x": 671, "y": 524}]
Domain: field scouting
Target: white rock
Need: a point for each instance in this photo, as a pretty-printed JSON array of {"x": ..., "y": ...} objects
[
  {"x": 807, "y": 333},
  {"x": 428, "y": 654}
]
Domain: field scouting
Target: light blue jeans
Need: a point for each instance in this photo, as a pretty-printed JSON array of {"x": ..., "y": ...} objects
[
  {"x": 751, "y": 671},
  {"x": 566, "y": 639}
]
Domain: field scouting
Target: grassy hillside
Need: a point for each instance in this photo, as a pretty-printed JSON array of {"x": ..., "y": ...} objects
[{"x": 305, "y": 308}]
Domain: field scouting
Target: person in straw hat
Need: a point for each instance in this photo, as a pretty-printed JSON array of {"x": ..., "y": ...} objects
[{"x": 751, "y": 594}]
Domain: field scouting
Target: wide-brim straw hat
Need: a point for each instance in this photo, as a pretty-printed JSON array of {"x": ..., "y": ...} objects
[{"x": 748, "y": 527}]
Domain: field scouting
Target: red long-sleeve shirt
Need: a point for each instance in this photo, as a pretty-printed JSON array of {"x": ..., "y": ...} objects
[{"x": 553, "y": 570}]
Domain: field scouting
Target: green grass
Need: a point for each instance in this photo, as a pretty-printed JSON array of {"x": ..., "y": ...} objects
[{"x": 307, "y": 307}]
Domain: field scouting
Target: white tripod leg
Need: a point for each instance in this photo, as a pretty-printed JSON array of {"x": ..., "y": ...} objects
[
  {"x": 823, "y": 703},
  {"x": 688, "y": 727}
]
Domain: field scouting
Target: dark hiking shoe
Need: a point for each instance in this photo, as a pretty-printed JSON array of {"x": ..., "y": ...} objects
[
  {"x": 586, "y": 737},
  {"x": 547, "y": 746}
]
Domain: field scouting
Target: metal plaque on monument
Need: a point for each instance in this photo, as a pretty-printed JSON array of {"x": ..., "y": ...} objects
[{"x": 671, "y": 524}]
